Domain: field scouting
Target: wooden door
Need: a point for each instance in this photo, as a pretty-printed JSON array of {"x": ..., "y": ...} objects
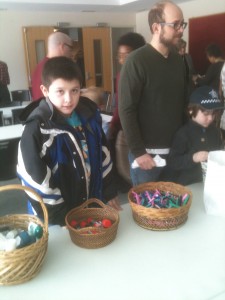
[
  {"x": 97, "y": 57},
  {"x": 35, "y": 45}
]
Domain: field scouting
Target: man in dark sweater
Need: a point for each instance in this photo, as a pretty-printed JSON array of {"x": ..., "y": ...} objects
[{"x": 152, "y": 94}]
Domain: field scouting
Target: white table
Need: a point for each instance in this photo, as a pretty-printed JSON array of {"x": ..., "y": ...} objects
[
  {"x": 11, "y": 132},
  {"x": 106, "y": 119},
  {"x": 183, "y": 264},
  {"x": 7, "y": 111}
]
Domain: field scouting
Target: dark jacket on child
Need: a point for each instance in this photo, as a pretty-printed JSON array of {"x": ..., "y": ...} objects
[
  {"x": 191, "y": 138},
  {"x": 50, "y": 158}
]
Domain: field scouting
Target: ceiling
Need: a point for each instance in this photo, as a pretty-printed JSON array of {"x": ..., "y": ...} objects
[{"x": 79, "y": 5}]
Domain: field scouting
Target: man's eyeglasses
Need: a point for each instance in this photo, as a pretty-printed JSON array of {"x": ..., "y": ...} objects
[
  {"x": 122, "y": 54},
  {"x": 176, "y": 25},
  {"x": 69, "y": 46}
]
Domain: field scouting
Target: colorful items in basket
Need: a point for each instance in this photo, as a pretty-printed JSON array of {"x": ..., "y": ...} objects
[
  {"x": 11, "y": 238},
  {"x": 160, "y": 199},
  {"x": 91, "y": 224}
]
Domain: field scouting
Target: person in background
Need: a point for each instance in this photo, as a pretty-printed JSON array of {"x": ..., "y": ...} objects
[
  {"x": 59, "y": 44},
  {"x": 126, "y": 44},
  {"x": 67, "y": 161},
  {"x": 95, "y": 94},
  {"x": 152, "y": 94},
  {"x": 212, "y": 77},
  {"x": 195, "y": 139},
  {"x": 222, "y": 96},
  {"x": 5, "y": 98},
  {"x": 189, "y": 67}
]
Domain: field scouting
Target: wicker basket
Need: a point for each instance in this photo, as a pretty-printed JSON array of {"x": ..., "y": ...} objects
[
  {"x": 23, "y": 264},
  {"x": 163, "y": 218},
  {"x": 103, "y": 236}
]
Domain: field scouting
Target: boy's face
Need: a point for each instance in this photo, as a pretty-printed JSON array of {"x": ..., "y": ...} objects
[
  {"x": 204, "y": 118},
  {"x": 123, "y": 52},
  {"x": 63, "y": 94}
]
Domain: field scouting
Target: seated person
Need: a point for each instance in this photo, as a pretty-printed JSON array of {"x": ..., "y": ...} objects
[
  {"x": 95, "y": 94},
  {"x": 195, "y": 139},
  {"x": 63, "y": 153}
]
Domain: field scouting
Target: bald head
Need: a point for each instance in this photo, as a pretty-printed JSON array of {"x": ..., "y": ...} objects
[
  {"x": 59, "y": 44},
  {"x": 160, "y": 10}
]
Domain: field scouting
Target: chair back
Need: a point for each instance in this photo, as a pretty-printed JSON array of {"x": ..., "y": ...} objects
[
  {"x": 20, "y": 96},
  {"x": 16, "y": 115},
  {"x": 1, "y": 118},
  {"x": 8, "y": 158},
  {"x": 106, "y": 105},
  {"x": 122, "y": 162}
]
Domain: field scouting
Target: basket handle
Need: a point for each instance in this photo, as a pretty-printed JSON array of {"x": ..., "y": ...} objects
[
  {"x": 90, "y": 201},
  {"x": 29, "y": 190}
]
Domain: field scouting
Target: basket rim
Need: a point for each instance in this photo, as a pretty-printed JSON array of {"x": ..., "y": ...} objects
[
  {"x": 37, "y": 196},
  {"x": 142, "y": 187},
  {"x": 83, "y": 207}
]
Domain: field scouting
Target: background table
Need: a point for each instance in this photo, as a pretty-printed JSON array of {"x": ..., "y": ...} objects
[
  {"x": 183, "y": 264},
  {"x": 11, "y": 132}
]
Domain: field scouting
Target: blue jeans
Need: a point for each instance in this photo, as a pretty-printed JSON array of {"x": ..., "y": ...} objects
[{"x": 139, "y": 176}]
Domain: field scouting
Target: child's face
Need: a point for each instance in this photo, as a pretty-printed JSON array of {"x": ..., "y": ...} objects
[
  {"x": 204, "y": 118},
  {"x": 122, "y": 54},
  {"x": 63, "y": 94}
]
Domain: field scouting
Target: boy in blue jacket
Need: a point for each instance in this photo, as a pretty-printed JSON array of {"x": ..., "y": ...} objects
[{"x": 63, "y": 154}]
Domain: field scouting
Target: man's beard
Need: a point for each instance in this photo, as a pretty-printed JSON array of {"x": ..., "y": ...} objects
[{"x": 169, "y": 43}]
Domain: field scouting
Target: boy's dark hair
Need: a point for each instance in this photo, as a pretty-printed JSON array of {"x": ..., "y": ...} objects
[
  {"x": 214, "y": 50},
  {"x": 60, "y": 67},
  {"x": 193, "y": 109},
  {"x": 133, "y": 40}
]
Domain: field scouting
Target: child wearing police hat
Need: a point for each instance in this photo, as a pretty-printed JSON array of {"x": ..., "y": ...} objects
[{"x": 195, "y": 139}]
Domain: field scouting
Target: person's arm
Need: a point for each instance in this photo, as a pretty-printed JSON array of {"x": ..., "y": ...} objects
[
  {"x": 110, "y": 194},
  {"x": 208, "y": 78},
  {"x": 34, "y": 172},
  {"x": 181, "y": 154},
  {"x": 130, "y": 90}
]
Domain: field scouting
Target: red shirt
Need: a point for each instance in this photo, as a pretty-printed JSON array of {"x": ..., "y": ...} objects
[
  {"x": 115, "y": 122},
  {"x": 36, "y": 80},
  {"x": 4, "y": 74}
]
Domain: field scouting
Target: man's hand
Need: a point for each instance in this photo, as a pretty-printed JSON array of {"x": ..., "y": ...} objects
[{"x": 145, "y": 162}]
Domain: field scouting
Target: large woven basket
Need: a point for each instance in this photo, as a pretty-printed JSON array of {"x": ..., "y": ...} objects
[
  {"x": 163, "y": 218},
  {"x": 23, "y": 264},
  {"x": 103, "y": 236}
]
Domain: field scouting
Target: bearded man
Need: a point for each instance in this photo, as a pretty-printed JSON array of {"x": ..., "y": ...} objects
[{"x": 152, "y": 94}]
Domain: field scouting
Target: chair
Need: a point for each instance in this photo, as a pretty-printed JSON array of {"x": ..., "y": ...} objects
[
  {"x": 20, "y": 96},
  {"x": 8, "y": 159},
  {"x": 16, "y": 115},
  {"x": 106, "y": 105},
  {"x": 1, "y": 118},
  {"x": 122, "y": 162}
]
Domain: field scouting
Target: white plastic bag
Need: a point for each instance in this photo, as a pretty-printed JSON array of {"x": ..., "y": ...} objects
[{"x": 214, "y": 187}]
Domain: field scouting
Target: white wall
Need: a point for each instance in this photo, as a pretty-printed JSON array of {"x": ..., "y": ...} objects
[
  {"x": 195, "y": 8},
  {"x": 11, "y": 23}
]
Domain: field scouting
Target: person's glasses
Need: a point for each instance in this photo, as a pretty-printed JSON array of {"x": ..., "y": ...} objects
[
  {"x": 122, "y": 54},
  {"x": 69, "y": 46},
  {"x": 176, "y": 25}
]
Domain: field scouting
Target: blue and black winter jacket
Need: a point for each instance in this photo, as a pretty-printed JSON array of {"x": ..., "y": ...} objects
[{"x": 50, "y": 158}]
